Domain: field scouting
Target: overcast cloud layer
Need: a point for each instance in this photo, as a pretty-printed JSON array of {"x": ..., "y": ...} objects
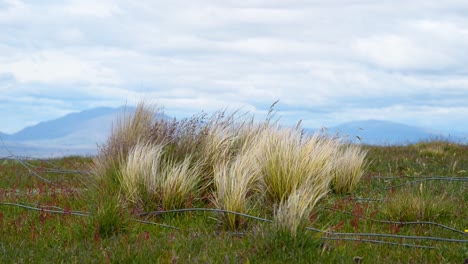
[{"x": 327, "y": 61}]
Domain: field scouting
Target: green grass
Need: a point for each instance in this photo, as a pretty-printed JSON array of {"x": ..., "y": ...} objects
[
  {"x": 31, "y": 236},
  {"x": 408, "y": 204},
  {"x": 421, "y": 182}
]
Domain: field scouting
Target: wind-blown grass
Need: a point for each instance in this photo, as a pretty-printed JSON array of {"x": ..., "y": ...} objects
[
  {"x": 290, "y": 159},
  {"x": 293, "y": 213},
  {"x": 227, "y": 160},
  {"x": 105, "y": 188},
  {"x": 296, "y": 171},
  {"x": 235, "y": 185},
  {"x": 147, "y": 177},
  {"x": 127, "y": 131},
  {"x": 349, "y": 168},
  {"x": 140, "y": 171},
  {"x": 180, "y": 184}
]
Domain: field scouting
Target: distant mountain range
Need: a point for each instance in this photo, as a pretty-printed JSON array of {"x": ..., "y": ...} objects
[
  {"x": 378, "y": 132},
  {"x": 94, "y": 122},
  {"x": 81, "y": 133},
  {"x": 74, "y": 134}
]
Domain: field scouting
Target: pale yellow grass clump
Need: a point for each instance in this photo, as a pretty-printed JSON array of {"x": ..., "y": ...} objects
[
  {"x": 179, "y": 183},
  {"x": 169, "y": 183},
  {"x": 292, "y": 213},
  {"x": 219, "y": 146},
  {"x": 128, "y": 130},
  {"x": 296, "y": 173},
  {"x": 349, "y": 168},
  {"x": 237, "y": 171},
  {"x": 140, "y": 171},
  {"x": 243, "y": 165},
  {"x": 110, "y": 201},
  {"x": 235, "y": 184},
  {"x": 289, "y": 159}
]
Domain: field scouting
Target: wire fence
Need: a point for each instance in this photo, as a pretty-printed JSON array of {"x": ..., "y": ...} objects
[{"x": 326, "y": 234}]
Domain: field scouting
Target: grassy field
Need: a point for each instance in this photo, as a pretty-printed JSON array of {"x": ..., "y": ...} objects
[{"x": 410, "y": 206}]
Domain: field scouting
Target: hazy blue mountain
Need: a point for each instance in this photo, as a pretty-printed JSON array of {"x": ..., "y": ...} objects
[
  {"x": 81, "y": 133},
  {"x": 74, "y": 134},
  {"x": 378, "y": 132},
  {"x": 70, "y": 124}
]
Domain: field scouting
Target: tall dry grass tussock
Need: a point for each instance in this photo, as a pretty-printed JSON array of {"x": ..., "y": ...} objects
[
  {"x": 349, "y": 168},
  {"x": 240, "y": 165},
  {"x": 140, "y": 171},
  {"x": 149, "y": 177},
  {"x": 293, "y": 213},
  {"x": 128, "y": 130},
  {"x": 180, "y": 183},
  {"x": 290, "y": 159},
  {"x": 236, "y": 184}
]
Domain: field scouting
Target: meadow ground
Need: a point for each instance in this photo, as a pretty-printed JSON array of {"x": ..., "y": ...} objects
[{"x": 410, "y": 207}]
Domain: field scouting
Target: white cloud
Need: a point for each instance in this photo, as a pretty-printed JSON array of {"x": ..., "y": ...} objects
[
  {"x": 71, "y": 35},
  {"x": 400, "y": 53},
  {"x": 14, "y": 10},
  {"x": 86, "y": 8},
  {"x": 455, "y": 83},
  {"x": 417, "y": 45},
  {"x": 322, "y": 59},
  {"x": 56, "y": 66}
]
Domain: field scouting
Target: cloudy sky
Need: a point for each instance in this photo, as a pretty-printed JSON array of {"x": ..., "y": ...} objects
[{"x": 327, "y": 61}]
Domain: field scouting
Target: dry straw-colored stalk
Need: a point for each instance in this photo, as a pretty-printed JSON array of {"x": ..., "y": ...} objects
[
  {"x": 349, "y": 168},
  {"x": 241, "y": 164},
  {"x": 290, "y": 159}
]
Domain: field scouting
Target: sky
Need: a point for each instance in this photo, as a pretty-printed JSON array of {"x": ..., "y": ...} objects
[{"x": 326, "y": 61}]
